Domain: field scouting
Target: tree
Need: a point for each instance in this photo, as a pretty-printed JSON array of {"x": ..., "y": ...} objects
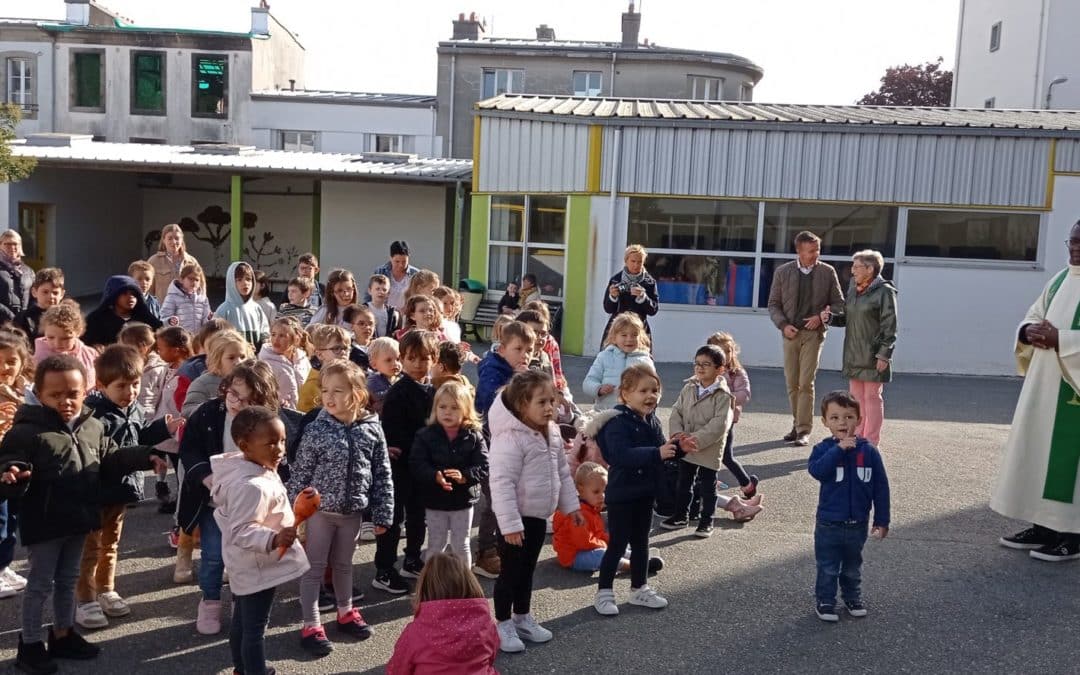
[
  {"x": 925, "y": 85},
  {"x": 12, "y": 168}
]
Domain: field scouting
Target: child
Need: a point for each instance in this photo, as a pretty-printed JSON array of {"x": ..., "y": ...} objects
[
  {"x": 122, "y": 301},
  {"x": 704, "y": 411},
  {"x": 343, "y": 455},
  {"x": 449, "y": 462},
  {"x": 255, "y": 517},
  {"x": 225, "y": 350},
  {"x": 450, "y": 307},
  {"x": 451, "y": 630},
  {"x": 62, "y": 326},
  {"x": 385, "y": 369},
  {"x": 739, "y": 385},
  {"x": 529, "y": 291},
  {"x": 239, "y": 308},
  {"x": 142, "y": 338},
  {"x": 173, "y": 348},
  {"x": 307, "y": 267},
  {"x": 340, "y": 293},
  {"x": 632, "y": 442},
  {"x": 551, "y": 345},
  {"x": 501, "y": 322},
  {"x": 852, "y": 477},
  {"x": 447, "y": 367},
  {"x": 328, "y": 343},
  {"x": 62, "y": 437},
  {"x": 387, "y": 318},
  {"x": 262, "y": 296},
  {"x": 540, "y": 360},
  {"x": 529, "y": 482},
  {"x": 206, "y": 435},
  {"x": 298, "y": 305},
  {"x": 113, "y": 403},
  {"x": 509, "y": 302},
  {"x": 361, "y": 322},
  {"x": 287, "y": 355},
  {"x": 627, "y": 345},
  {"x": 195, "y": 365},
  {"x": 16, "y": 374},
  {"x": 186, "y": 304},
  {"x": 47, "y": 291},
  {"x": 143, "y": 274},
  {"x": 581, "y": 547},
  {"x": 423, "y": 282},
  {"x": 421, "y": 313},
  {"x": 405, "y": 411},
  {"x": 509, "y": 356}
]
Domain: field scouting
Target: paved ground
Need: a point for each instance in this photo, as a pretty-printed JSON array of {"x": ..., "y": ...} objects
[{"x": 942, "y": 594}]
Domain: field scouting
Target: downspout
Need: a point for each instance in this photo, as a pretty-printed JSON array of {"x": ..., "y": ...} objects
[
  {"x": 453, "y": 86},
  {"x": 55, "y": 59},
  {"x": 1039, "y": 58},
  {"x": 434, "y": 130},
  {"x": 956, "y": 62},
  {"x": 611, "y": 90},
  {"x": 616, "y": 166}
]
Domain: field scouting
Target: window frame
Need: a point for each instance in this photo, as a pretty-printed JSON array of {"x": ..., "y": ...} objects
[
  {"x": 28, "y": 83},
  {"x": 195, "y": 58},
  {"x": 588, "y": 76},
  {"x": 995, "y": 36},
  {"x": 494, "y": 72},
  {"x": 73, "y": 81},
  {"x": 746, "y": 92},
  {"x": 525, "y": 245},
  {"x": 163, "y": 60},
  {"x": 281, "y": 141},
  {"x": 1038, "y": 263},
  {"x": 706, "y": 80}
]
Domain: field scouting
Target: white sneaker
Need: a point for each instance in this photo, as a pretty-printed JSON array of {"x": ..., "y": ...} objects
[
  {"x": 112, "y": 604},
  {"x": 605, "y": 602},
  {"x": 6, "y": 589},
  {"x": 367, "y": 531},
  {"x": 528, "y": 629},
  {"x": 647, "y": 597},
  {"x": 13, "y": 578},
  {"x": 89, "y": 615},
  {"x": 550, "y": 528},
  {"x": 509, "y": 641}
]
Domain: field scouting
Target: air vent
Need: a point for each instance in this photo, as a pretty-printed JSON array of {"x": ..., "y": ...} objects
[
  {"x": 223, "y": 149},
  {"x": 386, "y": 157},
  {"x": 55, "y": 140}
]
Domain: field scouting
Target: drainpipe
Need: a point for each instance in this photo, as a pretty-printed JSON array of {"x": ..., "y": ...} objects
[
  {"x": 55, "y": 79},
  {"x": 616, "y": 244},
  {"x": 611, "y": 89},
  {"x": 434, "y": 130},
  {"x": 453, "y": 86},
  {"x": 1040, "y": 58}
]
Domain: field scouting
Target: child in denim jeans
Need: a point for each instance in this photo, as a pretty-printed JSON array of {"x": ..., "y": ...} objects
[{"x": 853, "y": 480}]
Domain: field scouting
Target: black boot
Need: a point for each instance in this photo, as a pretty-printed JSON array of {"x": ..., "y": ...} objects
[
  {"x": 34, "y": 658},
  {"x": 71, "y": 646}
]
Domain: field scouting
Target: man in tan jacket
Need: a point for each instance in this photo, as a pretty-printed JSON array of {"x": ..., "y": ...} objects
[{"x": 803, "y": 291}]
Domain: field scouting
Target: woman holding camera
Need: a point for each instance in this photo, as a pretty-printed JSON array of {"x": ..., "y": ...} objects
[{"x": 631, "y": 290}]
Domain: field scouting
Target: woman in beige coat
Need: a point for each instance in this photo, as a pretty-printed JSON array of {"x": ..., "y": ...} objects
[{"x": 171, "y": 257}]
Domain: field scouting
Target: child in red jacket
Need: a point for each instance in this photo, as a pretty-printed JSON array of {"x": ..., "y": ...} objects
[
  {"x": 581, "y": 548},
  {"x": 452, "y": 630}
]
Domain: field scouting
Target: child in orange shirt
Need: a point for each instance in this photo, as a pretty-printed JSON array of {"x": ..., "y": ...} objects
[{"x": 581, "y": 547}]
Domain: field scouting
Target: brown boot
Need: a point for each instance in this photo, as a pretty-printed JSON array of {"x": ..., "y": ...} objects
[
  {"x": 182, "y": 573},
  {"x": 488, "y": 564}
]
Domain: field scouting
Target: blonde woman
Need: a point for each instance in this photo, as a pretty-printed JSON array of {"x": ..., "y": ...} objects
[
  {"x": 16, "y": 277},
  {"x": 631, "y": 290},
  {"x": 172, "y": 256}
]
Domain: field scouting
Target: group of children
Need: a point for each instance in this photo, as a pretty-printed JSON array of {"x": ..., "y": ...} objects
[{"x": 362, "y": 410}]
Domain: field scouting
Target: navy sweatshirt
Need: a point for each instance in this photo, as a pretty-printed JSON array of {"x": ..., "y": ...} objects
[{"x": 852, "y": 482}]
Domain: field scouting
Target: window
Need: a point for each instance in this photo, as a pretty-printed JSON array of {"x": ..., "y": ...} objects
[
  {"x": 88, "y": 81},
  {"x": 502, "y": 81},
  {"x": 587, "y": 82},
  {"x": 148, "y": 83},
  {"x": 528, "y": 235},
  {"x": 746, "y": 92},
  {"x": 843, "y": 228},
  {"x": 146, "y": 141},
  {"x": 990, "y": 102},
  {"x": 33, "y": 219},
  {"x": 20, "y": 84},
  {"x": 389, "y": 143},
  {"x": 972, "y": 235},
  {"x": 298, "y": 141},
  {"x": 706, "y": 88},
  {"x": 210, "y": 85},
  {"x": 995, "y": 36}
]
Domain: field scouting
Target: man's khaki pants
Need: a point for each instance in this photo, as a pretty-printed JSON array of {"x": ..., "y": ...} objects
[{"x": 801, "y": 356}]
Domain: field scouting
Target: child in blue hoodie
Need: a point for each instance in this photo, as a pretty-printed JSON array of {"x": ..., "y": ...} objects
[
  {"x": 853, "y": 480},
  {"x": 121, "y": 302},
  {"x": 240, "y": 308}
]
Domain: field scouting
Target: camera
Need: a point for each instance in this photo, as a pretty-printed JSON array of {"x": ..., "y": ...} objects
[{"x": 625, "y": 287}]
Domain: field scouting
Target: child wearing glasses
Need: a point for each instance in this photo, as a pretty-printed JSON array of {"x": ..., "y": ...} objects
[{"x": 330, "y": 342}]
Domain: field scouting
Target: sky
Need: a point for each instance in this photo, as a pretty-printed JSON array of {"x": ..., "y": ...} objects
[{"x": 824, "y": 51}]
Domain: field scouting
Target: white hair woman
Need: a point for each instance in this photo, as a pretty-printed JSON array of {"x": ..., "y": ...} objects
[
  {"x": 16, "y": 277},
  {"x": 171, "y": 257},
  {"x": 631, "y": 290}
]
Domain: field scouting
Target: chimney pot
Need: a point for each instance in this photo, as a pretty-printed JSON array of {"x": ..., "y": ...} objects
[
  {"x": 545, "y": 33},
  {"x": 292, "y": 85},
  {"x": 631, "y": 26},
  {"x": 467, "y": 29}
]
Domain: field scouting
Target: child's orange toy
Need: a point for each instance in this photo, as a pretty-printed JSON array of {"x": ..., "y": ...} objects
[{"x": 304, "y": 506}]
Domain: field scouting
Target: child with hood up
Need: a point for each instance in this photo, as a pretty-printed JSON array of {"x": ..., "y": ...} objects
[
  {"x": 121, "y": 302},
  {"x": 240, "y": 309}
]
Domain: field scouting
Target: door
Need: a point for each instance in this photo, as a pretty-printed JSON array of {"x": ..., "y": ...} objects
[{"x": 32, "y": 222}]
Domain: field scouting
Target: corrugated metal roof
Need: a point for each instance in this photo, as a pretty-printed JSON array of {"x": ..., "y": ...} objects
[
  {"x": 136, "y": 156},
  {"x": 349, "y": 97},
  {"x": 850, "y": 115}
]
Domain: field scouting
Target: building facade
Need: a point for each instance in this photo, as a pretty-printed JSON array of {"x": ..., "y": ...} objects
[
  {"x": 473, "y": 68},
  {"x": 970, "y": 210},
  {"x": 1015, "y": 54}
]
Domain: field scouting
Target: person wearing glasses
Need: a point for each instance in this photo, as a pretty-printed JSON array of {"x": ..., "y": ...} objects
[
  {"x": 223, "y": 351},
  {"x": 330, "y": 342}
]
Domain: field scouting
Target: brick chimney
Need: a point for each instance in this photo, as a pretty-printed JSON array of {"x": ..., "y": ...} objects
[
  {"x": 467, "y": 29},
  {"x": 631, "y": 26},
  {"x": 545, "y": 33},
  {"x": 260, "y": 20},
  {"x": 78, "y": 12}
]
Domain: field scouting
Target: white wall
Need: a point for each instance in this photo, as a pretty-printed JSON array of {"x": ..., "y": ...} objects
[
  {"x": 1008, "y": 74},
  {"x": 359, "y": 220},
  {"x": 1062, "y": 55},
  {"x": 42, "y": 73},
  {"x": 341, "y": 126}
]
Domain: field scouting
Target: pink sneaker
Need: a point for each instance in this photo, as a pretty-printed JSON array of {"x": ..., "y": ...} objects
[
  {"x": 742, "y": 511},
  {"x": 209, "y": 620}
]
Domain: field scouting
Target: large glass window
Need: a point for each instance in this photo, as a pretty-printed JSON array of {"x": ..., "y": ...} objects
[
  {"x": 587, "y": 82},
  {"x": 843, "y": 228},
  {"x": 502, "y": 81},
  {"x": 972, "y": 235},
  {"x": 148, "y": 83},
  {"x": 297, "y": 141},
  {"x": 528, "y": 235},
  {"x": 210, "y": 85},
  {"x": 20, "y": 85},
  {"x": 87, "y": 81},
  {"x": 706, "y": 88}
]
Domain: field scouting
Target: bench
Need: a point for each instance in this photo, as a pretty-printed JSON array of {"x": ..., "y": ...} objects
[{"x": 484, "y": 317}]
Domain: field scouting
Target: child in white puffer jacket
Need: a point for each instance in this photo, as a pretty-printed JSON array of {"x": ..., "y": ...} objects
[{"x": 287, "y": 355}]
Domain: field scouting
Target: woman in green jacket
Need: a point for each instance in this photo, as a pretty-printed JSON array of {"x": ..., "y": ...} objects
[{"x": 870, "y": 319}]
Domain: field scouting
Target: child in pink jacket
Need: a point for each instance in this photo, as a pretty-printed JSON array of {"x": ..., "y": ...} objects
[
  {"x": 62, "y": 325},
  {"x": 452, "y": 630}
]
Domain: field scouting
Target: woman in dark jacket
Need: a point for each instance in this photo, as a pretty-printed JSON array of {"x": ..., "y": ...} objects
[
  {"x": 870, "y": 320},
  {"x": 632, "y": 290},
  {"x": 16, "y": 277}
]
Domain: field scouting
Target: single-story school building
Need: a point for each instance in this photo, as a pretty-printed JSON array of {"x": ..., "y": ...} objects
[
  {"x": 91, "y": 207},
  {"x": 970, "y": 208}
]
